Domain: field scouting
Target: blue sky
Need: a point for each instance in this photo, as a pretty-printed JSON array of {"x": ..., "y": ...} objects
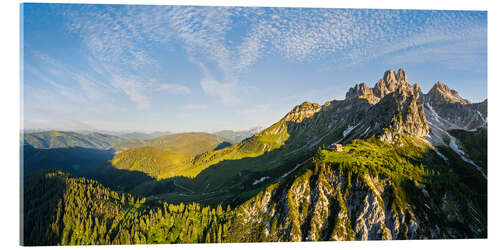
[{"x": 178, "y": 68}]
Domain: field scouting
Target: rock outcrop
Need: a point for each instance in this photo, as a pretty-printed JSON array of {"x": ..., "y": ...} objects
[
  {"x": 302, "y": 111},
  {"x": 445, "y": 109},
  {"x": 358, "y": 90},
  {"x": 327, "y": 204},
  {"x": 362, "y": 90}
]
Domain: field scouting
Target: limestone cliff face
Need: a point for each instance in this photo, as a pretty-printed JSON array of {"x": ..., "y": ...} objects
[
  {"x": 358, "y": 90},
  {"x": 397, "y": 105},
  {"x": 401, "y": 111},
  {"x": 328, "y": 204},
  {"x": 390, "y": 82},
  {"x": 445, "y": 109},
  {"x": 362, "y": 90}
]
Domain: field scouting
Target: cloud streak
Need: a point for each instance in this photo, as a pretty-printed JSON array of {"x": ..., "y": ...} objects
[
  {"x": 173, "y": 88},
  {"x": 224, "y": 91},
  {"x": 125, "y": 37},
  {"x": 131, "y": 54}
]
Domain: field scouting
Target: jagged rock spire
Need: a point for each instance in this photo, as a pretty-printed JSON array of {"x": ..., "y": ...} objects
[
  {"x": 401, "y": 77},
  {"x": 359, "y": 89},
  {"x": 389, "y": 76},
  {"x": 386, "y": 85}
]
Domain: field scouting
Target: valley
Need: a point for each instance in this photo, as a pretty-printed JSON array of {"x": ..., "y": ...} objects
[{"x": 413, "y": 166}]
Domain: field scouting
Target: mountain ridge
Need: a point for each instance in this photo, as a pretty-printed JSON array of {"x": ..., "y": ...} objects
[
  {"x": 281, "y": 147},
  {"x": 403, "y": 174}
]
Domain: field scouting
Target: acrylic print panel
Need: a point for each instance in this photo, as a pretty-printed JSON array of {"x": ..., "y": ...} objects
[{"x": 187, "y": 124}]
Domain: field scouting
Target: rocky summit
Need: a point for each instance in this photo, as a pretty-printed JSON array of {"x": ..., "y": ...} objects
[
  {"x": 442, "y": 94},
  {"x": 402, "y": 107}
]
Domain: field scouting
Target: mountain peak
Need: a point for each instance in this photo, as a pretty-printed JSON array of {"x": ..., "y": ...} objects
[
  {"x": 302, "y": 111},
  {"x": 389, "y": 76},
  {"x": 390, "y": 82},
  {"x": 307, "y": 106},
  {"x": 440, "y": 93},
  {"x": 401, "y": 76}
]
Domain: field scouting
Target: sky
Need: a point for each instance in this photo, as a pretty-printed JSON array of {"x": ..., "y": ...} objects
[{"x": 184, "y": 68}]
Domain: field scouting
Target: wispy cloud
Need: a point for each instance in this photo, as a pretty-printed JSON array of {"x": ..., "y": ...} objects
[
  {"x": 173, "y": 88},
  {"x": 352, "y": 36},
  {"x": 124, "y": 37},
  {"x": 138, "y": 91},
  {"x": 126, "y": 51},
  {"x": 61, "y": 88},
  {"x": 224, "y": 91}
]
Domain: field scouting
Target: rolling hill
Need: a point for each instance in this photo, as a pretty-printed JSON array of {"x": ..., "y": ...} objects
[
  {"x": 188, "y": 144},
  {"x": 165, "y": 156},
  {"x": 155, "y": 162}
]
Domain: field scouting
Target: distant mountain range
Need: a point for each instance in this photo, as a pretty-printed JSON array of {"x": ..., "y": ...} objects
[
  {"x": 228, "y": 134},
  {"x": 81, "y": 153},
  {"x": 238, "y": 135},
  {"x": 60, "y": 139},
  {"x": 413, "y": 166},
  {"x": 142, "y": 136}
]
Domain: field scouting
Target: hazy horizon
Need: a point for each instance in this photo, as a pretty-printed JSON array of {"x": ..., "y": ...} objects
[
  {"x": 139, "y": 68},
  {"x": 111, "y": 132}
]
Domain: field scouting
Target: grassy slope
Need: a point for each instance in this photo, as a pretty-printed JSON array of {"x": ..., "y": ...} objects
[
  {"x": 378, "y": 157},
  {"x": 165, "y": 156},
  {"x": 233, "y": 170},
  {"x": 408, "y": 167},
  {"x": 152, "y": 161},
  {"x": 197, "y": 182},
  {"x": 415, "y": 164},
  {"x": 228, "y": 175}
]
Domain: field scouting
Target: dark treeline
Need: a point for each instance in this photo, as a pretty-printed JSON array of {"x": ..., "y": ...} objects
[{"x": 64, "y": 210}]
